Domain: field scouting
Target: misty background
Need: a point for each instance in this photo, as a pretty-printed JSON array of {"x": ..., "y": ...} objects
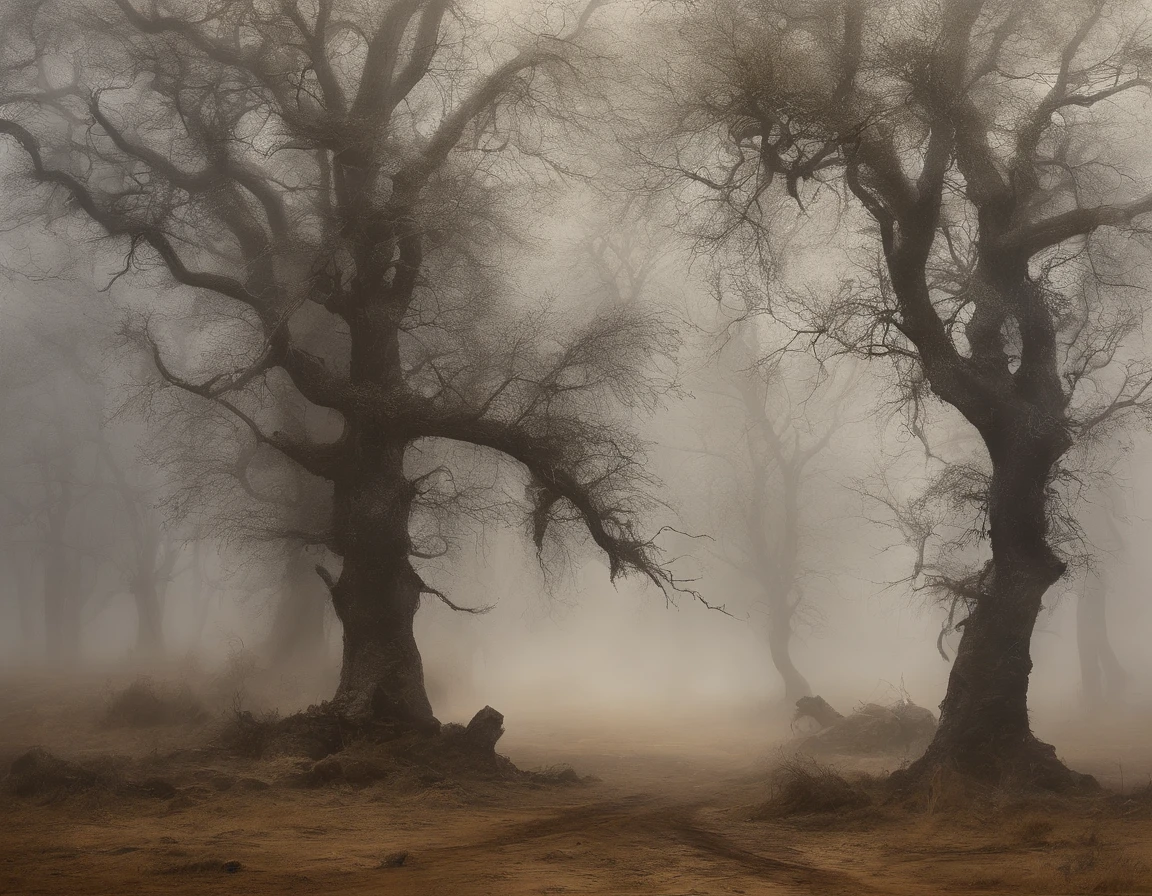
[{"x": 93, "y": 491}]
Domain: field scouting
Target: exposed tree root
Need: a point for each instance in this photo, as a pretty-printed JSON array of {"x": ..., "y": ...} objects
[
  {"x": 1024, "y": 764},
  {"x": 360, "y": 750}
]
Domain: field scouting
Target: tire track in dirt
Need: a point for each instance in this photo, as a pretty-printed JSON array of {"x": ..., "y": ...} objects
[
  {"x": 651, "y": 820},
  {"x": 577, "y": 820},
  {"x": 780, "y": 871}
]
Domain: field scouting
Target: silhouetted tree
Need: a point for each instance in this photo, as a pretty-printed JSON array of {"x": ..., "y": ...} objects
[
  {"x": 980, "y": 142},
  {"x": 346, "y": 162},
  {"x": 783, "y": 437}
]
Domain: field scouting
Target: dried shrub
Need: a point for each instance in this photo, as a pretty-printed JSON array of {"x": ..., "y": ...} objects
[
  {"x": 144, "y": 704},
  {"x": 40, "y": 773},
  {"x": 43, "y": 774},
  {"x": 247, "y": 735},
  {"x": 805, "y": 787},
  {"x": 898, "y": 728}
]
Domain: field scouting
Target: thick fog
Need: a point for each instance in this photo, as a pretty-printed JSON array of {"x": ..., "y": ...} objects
[
  {"x": 127, "y": 544},
  {"x": 566, "y": 640}
]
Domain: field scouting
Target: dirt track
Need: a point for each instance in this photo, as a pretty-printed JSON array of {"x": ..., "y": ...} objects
[{"x": 671, "y": 815}]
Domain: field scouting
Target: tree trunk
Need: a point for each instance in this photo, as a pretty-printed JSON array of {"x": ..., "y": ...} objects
[
  {"x": 1102, "y": 677},
  {"x": 149, "y": 616},
  {"x": 984, "y": 729},
  {"x": 378, "y": 593},
  {"x": 22, "y": 576},
  {"x": 780, "y": 647},
  {"x": 61, "y": 616}
]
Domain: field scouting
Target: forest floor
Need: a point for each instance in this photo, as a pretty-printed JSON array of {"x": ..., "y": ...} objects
[{"x": 676, "y": 810}]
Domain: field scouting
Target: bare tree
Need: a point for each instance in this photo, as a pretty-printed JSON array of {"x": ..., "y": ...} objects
[
  {"x": 50, "y": 498},
  {"x": 153, "y": 551},
  {"x": 980, "y": 142},
  {"x": 345, "y": 162},
  {"x": 1103, "y": 678},
  {"x": 783, "y": 438}
]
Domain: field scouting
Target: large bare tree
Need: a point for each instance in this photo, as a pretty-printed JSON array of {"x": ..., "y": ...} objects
[
  {"x": 347, "y": 168},
  {"x": 974, "y": 151}
]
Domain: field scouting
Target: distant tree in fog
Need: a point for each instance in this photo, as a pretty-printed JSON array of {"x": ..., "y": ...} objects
[
  {"x": 787, "y": 422},
  {"x": 53, "y": 551},
  {"x": 154, "y": 549},
  {"x": 975, "y": 155},
  {"x": 1103, "y": 678},
  {"x": 348, "y": 170},
  {"x": 82, "y": 517},
  {"x": 758, "y": 495}
]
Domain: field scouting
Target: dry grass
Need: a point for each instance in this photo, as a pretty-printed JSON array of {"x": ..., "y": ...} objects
[
  {"x": 659, "y": 822},
  {"x": 247, "y": 735},
  {"x": 802, "y": 786}
]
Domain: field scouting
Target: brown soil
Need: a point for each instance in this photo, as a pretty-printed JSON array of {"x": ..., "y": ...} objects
[{"x": 678, "y": 809}]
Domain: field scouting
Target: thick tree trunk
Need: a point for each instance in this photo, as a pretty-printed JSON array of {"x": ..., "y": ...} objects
[
  {"x": 378, "y": 594},
  {"x": 984, "y": 729}
]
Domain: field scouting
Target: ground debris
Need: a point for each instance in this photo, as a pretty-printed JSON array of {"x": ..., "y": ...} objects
[
  {"x": 900, "y": 728},
  {"x": 803, "y": 786},
  {"x": 144, "y": 704},
  {"x": 817, "y": 709},
  {"x": 359, "y": 752},
  {"x": 40, "y": 773}
]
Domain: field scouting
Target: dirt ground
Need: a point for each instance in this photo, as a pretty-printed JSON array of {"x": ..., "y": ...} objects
[{"x": 676, "y": 811}]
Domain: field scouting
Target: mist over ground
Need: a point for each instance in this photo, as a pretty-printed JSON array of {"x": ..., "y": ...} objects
[{"x": 538, "y": 446}]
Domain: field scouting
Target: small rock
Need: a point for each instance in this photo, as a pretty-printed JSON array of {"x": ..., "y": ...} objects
[
  {"x": 231, "y": 867},
  {"x": 394, "y": 860}
]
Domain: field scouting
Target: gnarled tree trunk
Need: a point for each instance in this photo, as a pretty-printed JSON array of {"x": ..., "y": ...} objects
[
  {"x": 378, "y": 593},
  {"x": 984, "y": 727}
]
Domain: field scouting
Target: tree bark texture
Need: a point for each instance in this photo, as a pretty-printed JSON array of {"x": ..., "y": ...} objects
[{"x": 378, "y": 593}]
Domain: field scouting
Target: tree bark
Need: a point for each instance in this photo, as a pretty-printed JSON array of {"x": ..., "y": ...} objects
[
  {"x": 378, "y": 593},
  {"x": 984, "y": 729}
]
